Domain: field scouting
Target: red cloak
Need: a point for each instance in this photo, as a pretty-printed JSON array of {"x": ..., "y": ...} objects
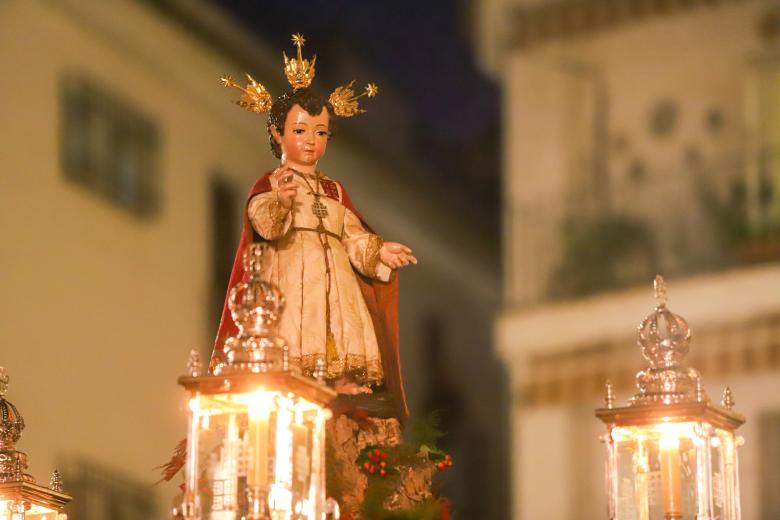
[{"x": 381, "y": 300}]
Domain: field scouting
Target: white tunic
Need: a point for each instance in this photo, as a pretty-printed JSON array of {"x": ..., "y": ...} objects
[{"x": 296, "y": 263}]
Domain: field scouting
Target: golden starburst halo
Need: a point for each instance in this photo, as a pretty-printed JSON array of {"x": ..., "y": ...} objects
[{"x": 300, "y": 73}]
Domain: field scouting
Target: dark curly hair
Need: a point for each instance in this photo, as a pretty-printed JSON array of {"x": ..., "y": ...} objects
[{"x": 312, "y": 102}]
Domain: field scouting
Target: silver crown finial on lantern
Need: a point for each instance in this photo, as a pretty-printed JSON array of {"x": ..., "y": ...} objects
[
  {"x": 55, "y": 483},
  {"x": 20, "y": 495},
  {"x": 665, "y": 338},
  {"x": 609, "y": 394},
  {"x": 728, "y": 399},
  {"x": 194, "y": 364},
  {"x": 13, "y": 463},
  {"x": 659, "y": 288},
  {"x": 4, "y": 379},
  {"x": 255, "y": 306},
  {"x": 11, "y": 423}
]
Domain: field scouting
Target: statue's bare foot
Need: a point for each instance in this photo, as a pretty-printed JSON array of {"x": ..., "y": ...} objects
[{"x": 346, "y": 386}]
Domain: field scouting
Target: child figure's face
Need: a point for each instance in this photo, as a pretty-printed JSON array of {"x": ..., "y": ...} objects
[{"x": 305, "y": 137}]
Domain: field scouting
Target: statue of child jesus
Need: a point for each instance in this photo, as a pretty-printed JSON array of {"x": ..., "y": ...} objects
[{"x": 336, "y": 274}]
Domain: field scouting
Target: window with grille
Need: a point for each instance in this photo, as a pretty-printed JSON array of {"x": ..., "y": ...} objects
[{"x": 109, "y": 146}]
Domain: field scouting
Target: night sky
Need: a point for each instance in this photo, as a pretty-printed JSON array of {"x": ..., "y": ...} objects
[{"x": 424, "y": 49}]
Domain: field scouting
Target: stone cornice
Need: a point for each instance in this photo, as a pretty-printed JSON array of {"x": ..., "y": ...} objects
[{"x": 562, "y": 19}]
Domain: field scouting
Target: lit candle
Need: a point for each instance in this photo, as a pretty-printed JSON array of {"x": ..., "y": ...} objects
[
  {"x": 670, "y": 477},
  {"x": 191, "y": 468},
  {"x": 258, "y": 440},
  {"x": 280, "y": 496},
  {"x": 642, "y": 471},
  {"x": 231, "y": 465}
]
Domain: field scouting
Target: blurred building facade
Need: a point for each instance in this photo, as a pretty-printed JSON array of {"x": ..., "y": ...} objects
[
  {"x": 124, "y": 173},
  {"x": 640, "y": 137}
]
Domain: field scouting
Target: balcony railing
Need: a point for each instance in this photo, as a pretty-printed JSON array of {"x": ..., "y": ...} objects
[{"x": 701, "y": 218}]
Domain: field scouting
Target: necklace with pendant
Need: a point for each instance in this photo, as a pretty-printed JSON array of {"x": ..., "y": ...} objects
[{"x": 318, "y": 208}]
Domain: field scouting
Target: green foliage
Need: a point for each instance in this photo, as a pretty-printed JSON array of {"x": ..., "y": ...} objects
[
  {"x": 603, "y": 253},
  {"x": 377, "y": 493},
  {"x": 728, "y": 212},
  {"x": 425, "y": 432}
]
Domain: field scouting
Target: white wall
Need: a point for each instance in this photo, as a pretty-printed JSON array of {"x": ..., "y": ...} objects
[{"x": 549, "y": 94}]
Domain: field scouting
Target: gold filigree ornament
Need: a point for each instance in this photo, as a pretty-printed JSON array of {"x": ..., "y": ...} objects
[
  {"x": 344, "y": 101},
  {"x": 254, "y": 97},
  {"x": 300, "y": 73}
]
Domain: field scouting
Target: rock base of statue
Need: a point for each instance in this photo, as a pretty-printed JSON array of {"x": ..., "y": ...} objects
[{"x": 399, "y": 486}]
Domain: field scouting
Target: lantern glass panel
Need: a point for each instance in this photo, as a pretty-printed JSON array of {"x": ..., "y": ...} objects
[
  {"x": 725, "y": 481},
  {"x": 665, "y": 471},
  {"x": 263, "y": 446},
  {"x": 35, "y": 512}
]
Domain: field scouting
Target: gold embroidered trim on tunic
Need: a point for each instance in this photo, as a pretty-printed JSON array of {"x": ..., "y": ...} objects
[
  {"x": 371, "y": 258},
  {"x": 355, "y": 366},
  {"x": 276, "y": 213}
]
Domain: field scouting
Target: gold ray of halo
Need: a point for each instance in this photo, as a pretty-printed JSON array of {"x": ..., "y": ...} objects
[
  {"x": 345, "y": 102},
  {"x": 254, "y": 97}
]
